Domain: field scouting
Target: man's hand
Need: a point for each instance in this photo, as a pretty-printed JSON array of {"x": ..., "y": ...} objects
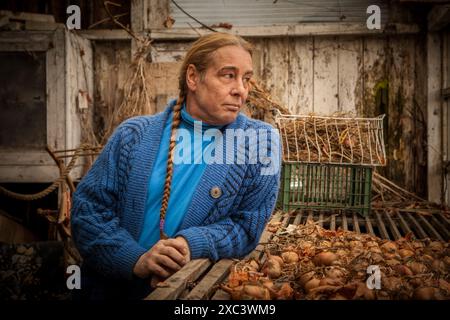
[
  {"x": 163, "y": 259},
  {"x": 185, "y": 245}
]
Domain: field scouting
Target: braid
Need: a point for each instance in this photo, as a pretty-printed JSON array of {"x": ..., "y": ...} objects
[{"x": 167, "y": 183}]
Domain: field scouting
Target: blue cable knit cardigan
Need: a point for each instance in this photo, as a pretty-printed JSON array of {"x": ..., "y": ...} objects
[{"x": 108, "y": 205}]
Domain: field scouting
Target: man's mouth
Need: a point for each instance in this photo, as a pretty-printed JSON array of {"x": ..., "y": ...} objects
[{"x": 233, "y": 107}]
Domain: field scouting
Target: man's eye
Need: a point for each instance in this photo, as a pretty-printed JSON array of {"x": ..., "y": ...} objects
[
  {"x": 247, "y": 79},
  {"x": 229, "y": 75}
]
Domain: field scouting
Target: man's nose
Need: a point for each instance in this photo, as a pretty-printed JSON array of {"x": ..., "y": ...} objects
[{"x": 239, "y": 88}]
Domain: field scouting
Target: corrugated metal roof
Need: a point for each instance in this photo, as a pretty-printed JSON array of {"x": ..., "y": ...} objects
[{"x": 271, "y": 12}]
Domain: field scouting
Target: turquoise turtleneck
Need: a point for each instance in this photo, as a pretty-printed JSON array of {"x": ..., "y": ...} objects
[{"x": 187, "y": 171}]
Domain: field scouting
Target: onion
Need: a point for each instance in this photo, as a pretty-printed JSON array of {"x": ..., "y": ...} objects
[
  {"x": 311, "y": 284},
  {"x": 278, "y": 259},
  {"x": 391, "y": 283},
  {"x": 438, "y": 265},
  {"x": 427, "y": 258},
  {"x": 325, "y": 258},
  {"x": 330, "y": 282},
  {"x": 425, "y": 293},
  {"x": 285, "y": 292},
  {"x": 335, "y": 273},
  {"x": 389, "y": 246},
  {"x": 257, "y": 292},
  {"x": 405, "y": 253},
  {"x": 272, "y": 269},
  {"x": 363, "y": 292},
  {"x": 289, "y": 257},
  {"x": 304, "y": 278},
  {"x": 417, "y": 267},
  {"x": 447, "y": 260},
  {"x": 403, "y": 270},
  {"x": 436, "y": 246},
  {"x": 377, "y": 258},
  {"x": 253, "y": 265}
]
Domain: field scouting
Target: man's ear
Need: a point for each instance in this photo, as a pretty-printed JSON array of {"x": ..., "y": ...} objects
[{"x": 192, "y": 77}]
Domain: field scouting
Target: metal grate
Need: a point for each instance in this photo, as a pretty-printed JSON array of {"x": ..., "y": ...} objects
[{"x": 380, "y": 223}]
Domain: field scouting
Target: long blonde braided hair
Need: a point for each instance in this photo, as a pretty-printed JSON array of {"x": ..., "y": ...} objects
[{"x": 198, "y": 55}]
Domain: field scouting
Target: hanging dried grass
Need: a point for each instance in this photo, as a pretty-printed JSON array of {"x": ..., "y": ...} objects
[{"x": 136, "y": 99}]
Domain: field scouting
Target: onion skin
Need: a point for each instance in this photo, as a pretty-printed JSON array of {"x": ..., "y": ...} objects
[
  {"x": 278, "y": 259},
  {"x": 272, "y": 269},
  {"x": 257, "y": 292},
  {"x": 325, "y": 258},
  {"x": 425, "y": 293},
  {"x": 405, "y": 253},
  {"x": 289, "y": 257},
  {"x": 312, "y": 284},
  {"x": 304, "y": 278}
]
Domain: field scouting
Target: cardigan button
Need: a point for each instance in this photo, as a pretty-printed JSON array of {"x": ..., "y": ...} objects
[{"x": 215, "y": 192}]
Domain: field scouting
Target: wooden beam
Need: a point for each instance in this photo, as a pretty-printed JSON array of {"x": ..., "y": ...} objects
[
  {"x": 434, "y": 115},
  {"x": 439, "y": 17},
  {"x": 204, "y": 289},
  {"x": 28, "y": 16},
  {"x": 301, "y": 29},
  {"x": 100, "y": 35},
  {"x": 179, "y": 281},
  {"x": 446, "y": 93}
]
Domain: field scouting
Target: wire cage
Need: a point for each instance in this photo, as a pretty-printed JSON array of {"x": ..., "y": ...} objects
[
  {"x": 338, "y": 140},
  {"x": 328, "y": 161}
]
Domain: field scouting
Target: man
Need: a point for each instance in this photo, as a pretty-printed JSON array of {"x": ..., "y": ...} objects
[{"x": 175, "y": 186}]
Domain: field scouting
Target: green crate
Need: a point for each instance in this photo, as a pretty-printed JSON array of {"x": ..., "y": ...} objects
[{"x": 325, "y": 186}]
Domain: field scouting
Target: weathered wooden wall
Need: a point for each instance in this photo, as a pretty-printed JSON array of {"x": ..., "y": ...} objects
[{"x": 363, "y": 75}]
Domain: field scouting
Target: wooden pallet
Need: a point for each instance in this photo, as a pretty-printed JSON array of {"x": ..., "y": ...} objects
[{"x": 200, "y": 279}]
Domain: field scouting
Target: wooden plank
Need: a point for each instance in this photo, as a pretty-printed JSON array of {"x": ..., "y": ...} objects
[
  {"x": 310, "y": 217},
  {"x": 401, "y": 131},
  {"x": 178, "y": 281},
  {"x": 274, "y": 67},
  {"x": 298, "y": 218},
  {"x": 204, "y": 289},
  {"x": 369, "y": 227},
  {"x": 356, "y": 223},
  {"x": 301, "y": 73},
  {"x": 417, "y": 226},
  {"x": 350, "y": 86},
  {"x": 300, "y": 29},
  {"x": 28, "y": 16},
  {"x": 373, "y": 74},
  {"x": 393, "y": 226},
  {"x": 430, "y": 228},
  {"x": 434, "y": 117},
  {"x": 321, "y": 219},
  {"x": 333, "y": 222},
  {"x": 381, "y": 225},
  {"x": 221, "y": 295},
  {"x": 438, "y": 225},
  {"x": 344, "y": 221},
  {"x": 105, "y": 34},
  {"x": 404, "y": 225},
  {"x": 325, "y": 76}
]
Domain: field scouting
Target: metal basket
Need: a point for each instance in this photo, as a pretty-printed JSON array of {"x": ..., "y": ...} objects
[{"x": 334, "y": 140}]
